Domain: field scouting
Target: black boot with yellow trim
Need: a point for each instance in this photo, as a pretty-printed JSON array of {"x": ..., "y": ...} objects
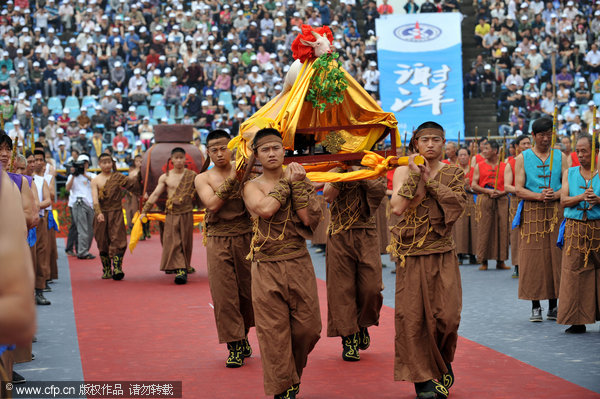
[
  {"x": 180, "y": 276},
  {"x": 430, "y": 390},
  {"x": 106, "y": 270},
  {"x": 236, "y": 356},
  {"x": 350, "y": 348},
  {"x": 118, "y": 267}
]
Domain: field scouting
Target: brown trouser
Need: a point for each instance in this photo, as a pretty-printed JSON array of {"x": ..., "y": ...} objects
[
  {"x": 492, "y": 231},
  {"x": 515, "y": 233},
  {"x": 53, "y": 254},
  {"x": 111, "y": 235},
  {"x": 288, "y": 320},
  {"x": 464, "y": 231},
  {"x": 539, "y": 257},
  {"x": 354, "y": 282},
  {"x": 230, "y": 285},
  {"x": 428, "y": 306},
  {"x": 42, "y": 252},
  {"x": 6, "y": 369},
  {"x": 579, "y": 284},
  {"x": 177, "y": 241}
]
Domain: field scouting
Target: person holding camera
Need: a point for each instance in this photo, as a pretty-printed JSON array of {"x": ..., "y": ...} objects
[{"x": 80, "y": 200}]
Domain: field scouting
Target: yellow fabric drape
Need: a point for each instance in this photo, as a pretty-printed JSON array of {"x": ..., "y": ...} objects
[
  {"x": 378, "y": 166},
  {"x": 289, "y": 111},
  {"x": 137, "y": 230},
  {"x": 55, "y": 214}
]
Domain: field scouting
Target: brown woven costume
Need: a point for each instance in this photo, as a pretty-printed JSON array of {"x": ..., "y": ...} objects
[
  {"x": 111, "y": 235},
  {"x": 353, "y": 260},
  {"x": 580, "y": 278},
  {"x": 179, "y": 225},
  {"x": 428, "y": 287},
  {"x": 540, "y": 258},
  {"x": 284, "y": 287},
  {"x": 228, "y": 233}
]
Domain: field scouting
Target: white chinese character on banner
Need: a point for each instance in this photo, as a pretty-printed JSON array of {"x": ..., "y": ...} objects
[
  {"x": 420, "y": 76},
  {"x": 433, "y": 97}
]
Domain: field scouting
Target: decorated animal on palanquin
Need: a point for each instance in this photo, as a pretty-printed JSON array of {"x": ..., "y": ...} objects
[
  {"x": 319, "y": 98},
  {"x": 167, "y": 137}
]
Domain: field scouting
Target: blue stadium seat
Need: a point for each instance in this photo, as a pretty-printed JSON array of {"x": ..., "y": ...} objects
[
  {"x": 226, "y": 97},
  {"x": 156, "y": 99},
  {"x": 88, "y": 101},
  {"x": 597, "y": 98},
  {"x": 91, "y": 111},
  {"x": 74, "y": 112},
  {"x": 142, "y": 110},
  {"x": 8, "y": 126},
  {"x": 55, "y": 105},
  {"x": 128, "y": 134},
  {"x": 72, "y": 102},
  {"x": 159, "y": 112}
]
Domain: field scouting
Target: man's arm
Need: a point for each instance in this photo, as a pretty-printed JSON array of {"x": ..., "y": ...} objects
[
  {"x": 17, "y": 310},
  {"x": 407, "y": 184},
  {"x": 565, "y": 199},
  {"x": 265, "y": 205},
  {"x": 520, "y": 179},
  {"x": 46, "y": 200},
  {"x": 28, "y": 202},
  {"x": 208, "y": 196},
  {"x": 475, "y": 185},
  {"x": 160, "y": 188},
  {"x": 508, "y": 178},
  {"x": 69, "y": 184},
  {"x": 95, "y": 200}
]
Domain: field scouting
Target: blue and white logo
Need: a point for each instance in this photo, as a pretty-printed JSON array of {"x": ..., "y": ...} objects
[{"x": 417, "y": 32}]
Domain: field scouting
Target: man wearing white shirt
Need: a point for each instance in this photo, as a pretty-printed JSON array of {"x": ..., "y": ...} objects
[
  {"x": 80, "y": 199},
  {"x": 371, "y": 78},
  {"x": 514, "y": 78},
  {"x": 137, "y": 81},
  {"x": 592, "y": 58}
]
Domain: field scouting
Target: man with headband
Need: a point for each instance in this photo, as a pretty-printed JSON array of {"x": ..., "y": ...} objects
[
  {"x": 429, "y": 198},
  {"x": 539, "y": 186},
  {"x": 109, "y": 226},
  {"x": 492, "y": 208},
  {"x": 179, "y": 221},
  {"x": 284, "y": 289},
  {"x": 354, "y": 281},
  {"x": 228, "y": 232}
]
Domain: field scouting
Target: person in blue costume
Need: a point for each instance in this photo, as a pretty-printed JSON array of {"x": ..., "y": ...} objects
[
  {"x": 538, "y": 184},
  {"x": 580, "y": 277}
]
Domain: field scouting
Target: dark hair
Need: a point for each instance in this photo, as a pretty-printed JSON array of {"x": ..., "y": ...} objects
[
  {"x": 520, "y": 138},
  {"x": 28, "y": 154},
  {"x": 541, "y": 125},
  {"x": 217, "y": 134},
  {"x": 5, "y": 139},
  {"x": 494, "y": 144},
  {"x": 39, "y": 152},
  {"x": 104, "y": 155},
  {"x": 177, "y": 150},
  {"x": 269, "y": 131},
  {"x": 589, "y": 139},
  {"x": 463, "y": 148},
  {"x": 137, "y": 156},
  {"x": 426, "y": 125}
]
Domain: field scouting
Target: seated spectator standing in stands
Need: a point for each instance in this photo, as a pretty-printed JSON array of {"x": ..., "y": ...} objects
[
  {"x": 172, "y": 93},
  {"x": 564, "y": 77},
  {"x": 193, "y": 103},
  {"x": 488, "y": 81},
  {"x": 471, "y": 83},
  {"x": 581, "y": 92},
  {"x": 481, "y": 29},
  {"x": 592, "y": 59}
]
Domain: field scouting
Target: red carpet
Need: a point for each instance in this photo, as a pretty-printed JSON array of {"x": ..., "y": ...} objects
[{"x": 147, "y": 328}]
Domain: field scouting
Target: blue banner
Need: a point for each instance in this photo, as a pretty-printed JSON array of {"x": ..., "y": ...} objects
[{"x": 420, "y": 60}]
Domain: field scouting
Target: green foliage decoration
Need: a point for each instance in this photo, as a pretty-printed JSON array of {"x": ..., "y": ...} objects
[{"x": 328, "y": 83}]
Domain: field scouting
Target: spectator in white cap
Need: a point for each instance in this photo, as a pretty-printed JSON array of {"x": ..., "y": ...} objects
[
  {"x": 133, "y": 121},
  {"x": 581, "y": 91},
  {"x": 370, "y": 79},
  {"x": 117, "y": 76},
  {"x": 587, "y": 115},
  {"x": 572, "y": 113},
  {"x": 61, "y": 136},
  {"x": 172, "y": 93},
  {"x": 146, "y": 132},
  {"x": 119, "y": 138},
  {"x": 83, "y": 120}
]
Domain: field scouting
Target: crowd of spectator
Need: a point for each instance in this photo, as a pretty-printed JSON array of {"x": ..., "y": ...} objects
[
  {"x": 97, "y": 75},
  {"x": 521, "y": 44}
]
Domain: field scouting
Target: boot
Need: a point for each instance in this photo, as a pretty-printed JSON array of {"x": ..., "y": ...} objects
[
  {"x": 246, "y": 348},
  {"x": 40, "y": 299},
  {"x": 289, "y": 393},
  {"x": 364, "y": 339},
  {"x": 236, "y": 356},
  {"x": 106, "y": 272},
  {"x": 118, "y": 267},
  {"x": 484, "y": 265},
  {"x": 502, "y": 266},
  {"x": 516, "y": 272},
  {"x": 181, "y": 276},
  {"x": 350, "y": 348}
]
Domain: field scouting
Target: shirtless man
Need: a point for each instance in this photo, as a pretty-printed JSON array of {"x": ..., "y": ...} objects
[
  {"x": 179, "y": 222},
  {"x": 228, "y": 232}
]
